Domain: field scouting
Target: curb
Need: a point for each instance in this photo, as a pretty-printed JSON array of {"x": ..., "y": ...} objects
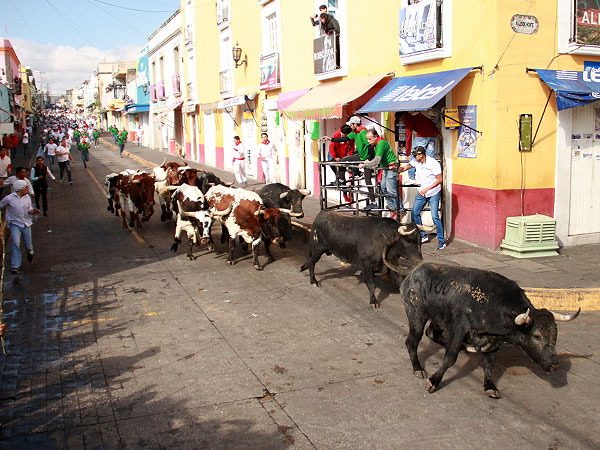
[{"x": 554, "y": 299}]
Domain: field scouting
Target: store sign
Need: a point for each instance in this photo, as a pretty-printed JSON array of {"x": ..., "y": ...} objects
[
  {"x": 418, "y": 27},
  {"x": 524, "y": 24},
  {"x": 269, "y": 72},
  {"x": 591, "y": 71},
  {"x": 587, "y": 22},
  {"x": 324, "y": 55},
  {"x": 451, "y": 118},
  {"x": 467, "y": 136}
]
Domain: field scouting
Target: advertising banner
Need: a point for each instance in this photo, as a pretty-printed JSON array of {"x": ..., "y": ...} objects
[
  {"x": 324, "y": 54},
  {"x": 142, "y": 77},
  {"x": 467, "y": 138},
  {"x": 269, "y": 72},
  {"x": 418, "y": 27},
  {"x": 587, "y": 22}
]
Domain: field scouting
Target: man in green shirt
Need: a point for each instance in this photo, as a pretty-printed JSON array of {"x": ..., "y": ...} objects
[
  {"x": 76, "y": 135},
  {"x": 96, "y": 135},
  {"x": 84, "y": 149},
  {"x": 115, "y": 133},
  {"x": 121, "y": 139},
  {"x": 385, "y": 157}
]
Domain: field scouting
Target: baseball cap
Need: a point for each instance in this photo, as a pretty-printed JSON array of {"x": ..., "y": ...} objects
[
  {"x": 419, "y": 150},
  {"x": 353, "y": 119}
]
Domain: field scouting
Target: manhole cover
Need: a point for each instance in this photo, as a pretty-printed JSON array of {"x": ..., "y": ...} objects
[{"x": 69, "y": 267}]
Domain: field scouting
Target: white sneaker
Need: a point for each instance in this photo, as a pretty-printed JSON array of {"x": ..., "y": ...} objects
[
  {"x": 424, "y": 239},
  {"x": 410, "y": 182}
]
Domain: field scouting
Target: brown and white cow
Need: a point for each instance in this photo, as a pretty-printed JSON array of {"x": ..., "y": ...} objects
[
  {"x": 112, "y": 193},
  {"x": 166, "y": 177},
  {"x": 193, "y": 217},
  {"x": 244, "y": 215},
  {"x": 136, "y": 195}
]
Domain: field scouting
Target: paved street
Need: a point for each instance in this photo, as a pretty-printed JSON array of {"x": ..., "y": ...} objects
[{"x": 114, "y": 341}]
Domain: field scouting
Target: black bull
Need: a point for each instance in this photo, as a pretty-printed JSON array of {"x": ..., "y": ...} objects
[
  {"x": 477, "y": 310},
  {"x": 368, "y": 243}
]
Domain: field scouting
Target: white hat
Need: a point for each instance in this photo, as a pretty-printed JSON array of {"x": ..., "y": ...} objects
[
  {"x": 353, "y": 119},
  {"x": 19, "y": 184}
]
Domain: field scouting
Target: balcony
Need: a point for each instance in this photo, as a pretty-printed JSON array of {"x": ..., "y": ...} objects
[
  {"x": 152, "y": 93},
  {"x": 160, "y": 90},
  {"x": 190, "y": 92},
  {"x": 226, "y": 77},
  {"x": 176, "y": 85}
]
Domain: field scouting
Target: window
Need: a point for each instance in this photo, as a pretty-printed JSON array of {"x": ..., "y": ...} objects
[
  {"x": 226, "y": 74},
  {"x": 176, "y": 60},
  {"x": 222, "y": 12},
  {"x": 330, "y": 52},
  {"x": 578, "y": 29},
  {"x": 271, "y": 20},
  {"x": 425, "y": 30}
]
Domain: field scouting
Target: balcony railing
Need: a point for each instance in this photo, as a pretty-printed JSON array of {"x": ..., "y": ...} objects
[
  {"x": 190, "y": 92},
  {"x": 160, "y": 89},
  {"x": 226, "y": 82},
  {"x": 176, "y": 84}
]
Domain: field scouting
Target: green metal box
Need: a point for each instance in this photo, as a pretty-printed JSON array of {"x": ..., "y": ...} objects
[{"x": 530, "y": 237}]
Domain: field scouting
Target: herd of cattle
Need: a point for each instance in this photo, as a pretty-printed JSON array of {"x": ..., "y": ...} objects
[{"x": 466, "y": 309}]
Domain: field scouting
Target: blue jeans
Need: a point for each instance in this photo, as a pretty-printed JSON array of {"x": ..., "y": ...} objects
[
  {"x": 50, "y": 161},
  {"x": 389, "y": 186},
  {"x": 16, "y": 232},
  {"x": 434, "y": 203},
  {"x": 121, "y": 147},
  {"x": 65, "y": 165},
  {"x": 429, "y": 144},
  {"x": 85, "y": 156}
]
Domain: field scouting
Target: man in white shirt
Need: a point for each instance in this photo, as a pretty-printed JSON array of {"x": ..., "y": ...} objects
[
  {"x": 25, "y": 142},
  {"x": 267, "y": 155},
  {"x": 18, "y": 219},
  {"x": 50, "y": 151},
  {"x": 239, "y": 162},
  {"x": 63, "y": 155},
  {"x": 4, "y": 168},
  {"x": 429, "y": 176}
]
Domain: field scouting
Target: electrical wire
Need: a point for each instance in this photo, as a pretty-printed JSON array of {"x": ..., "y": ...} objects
[
  {"x": 117, "y": 17},
  {"x": 21, "y": 16},
  {"x": 69, "y": 22},
  {"x": 134, "y": 9}
]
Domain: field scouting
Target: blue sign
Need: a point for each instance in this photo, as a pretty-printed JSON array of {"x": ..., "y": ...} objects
[
  {"x": 572, "y": 88},
  {"x": 142, "y": 77},
  {"x": 415, "y": 93}
]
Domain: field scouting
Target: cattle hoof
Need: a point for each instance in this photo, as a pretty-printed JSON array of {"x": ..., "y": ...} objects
[
  {"x": 303, "y": 267},
  {"x": 211, "y": 248},
  {"x": 282, "y": 245},
  {"x": 258, "y": 267},
  {"x": 375, "y": 305},
  {"x": 191, "y": 257},
  {"x": 163, "y": 218},
  {"x": 430, "y": 387},
  {"x": 174, "y": 247},
  {"x": 230, "y": 263},
  {"x": 493, "y": 393},
  {"x": 420, "y": 374}
]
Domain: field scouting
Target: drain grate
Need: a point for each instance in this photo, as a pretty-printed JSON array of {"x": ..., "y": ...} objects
[{"x": 70, "y": 267}]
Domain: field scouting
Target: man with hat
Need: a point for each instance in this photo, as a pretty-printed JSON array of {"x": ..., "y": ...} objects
[
  {"x": 429, "y": 176},
  {"x": 18, "y": 219}
]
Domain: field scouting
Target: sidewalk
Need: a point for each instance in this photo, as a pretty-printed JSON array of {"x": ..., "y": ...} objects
[{"x": 564, "y": 282}]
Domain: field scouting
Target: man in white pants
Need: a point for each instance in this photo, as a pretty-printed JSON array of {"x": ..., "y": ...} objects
[
  {"x": 239, "y": 162},
  {"x": 267, "y": 154}
]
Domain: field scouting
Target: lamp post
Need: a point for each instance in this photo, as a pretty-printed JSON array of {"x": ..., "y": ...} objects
[{"x": 237, "y": 55}]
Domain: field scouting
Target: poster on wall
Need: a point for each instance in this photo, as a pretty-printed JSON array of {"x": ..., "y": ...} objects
[
  {"x": 418, "y": 27},
  {"x": 587, "y": 23},
  {"x": 467, "y": 138},
  {"x": 269, "y": 71}
]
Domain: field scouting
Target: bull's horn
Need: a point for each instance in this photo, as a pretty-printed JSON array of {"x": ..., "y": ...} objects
[
  {"x": 163, "y": 163},
  {"x": 287, "y": 211},
  {"x": 389, "y": 264},
  {"x": 136, "y": 181},
  {"x": 282, "y": 195},
  {"x": 222, "y": 213},
  {"x": 426, "y": 228},
  {"x": 403, "y": 230},
  {"x": 171, "y": 188},
  {"x": 293, "y": 214},
  {"x": 259, "y": 212},
  {"x": 227, "y": 184},
  {"x": 211, "y": 184},
  {"x": 565, "y": 317},
  {"x": 523, "y": 318},
  {"x": 304, "y": 191}
]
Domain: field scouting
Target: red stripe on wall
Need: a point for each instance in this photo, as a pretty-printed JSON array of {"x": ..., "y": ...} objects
[
  {"x": 479, "y": 215},
  {"x": 220, "y": 157}
]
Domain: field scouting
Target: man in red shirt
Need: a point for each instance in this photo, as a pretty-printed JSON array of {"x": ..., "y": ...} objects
[
  {"x": 14, "y": 142},
  {"x": 338, "y": 150}
]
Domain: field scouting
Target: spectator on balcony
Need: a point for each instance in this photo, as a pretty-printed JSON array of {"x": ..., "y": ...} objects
[{"x": 316, "y": 19}]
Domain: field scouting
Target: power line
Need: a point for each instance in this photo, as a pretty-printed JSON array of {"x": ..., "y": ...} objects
[
  {"x": 22, "y": 18},
  {"x": 133, "y": 9},
  {"x": 69, "y": 22},
  {"x": 118, "y": 18}
]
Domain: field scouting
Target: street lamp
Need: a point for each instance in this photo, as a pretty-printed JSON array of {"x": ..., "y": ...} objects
[
  {"x": 237, "y": 55},
  {"x": 145, "y": 88}
]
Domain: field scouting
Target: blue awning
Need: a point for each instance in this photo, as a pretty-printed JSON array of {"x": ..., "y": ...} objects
[
  {"x": 137, "y": 107},
  {"x": 570, "y": 88},
  {"x": 415, "y": 93}
]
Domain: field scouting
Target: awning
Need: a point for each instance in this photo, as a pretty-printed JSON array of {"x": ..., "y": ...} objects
[
  {"x": 285, "y": 99},
  {"x": 416, "y": 92},
  {"x": 168, "y": 109},
  {"x": 236, "y": 101},
  {"x": 326, "y": 100},
  {"x": 137, "y": 108},
  {"x": 570, "y": 88}
]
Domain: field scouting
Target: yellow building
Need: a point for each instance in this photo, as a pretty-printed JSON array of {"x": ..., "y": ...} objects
[{"x": 477, "y": 56}]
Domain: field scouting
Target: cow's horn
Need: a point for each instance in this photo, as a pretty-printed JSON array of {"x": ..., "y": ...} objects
[
  {"x": 287, "y": 211},
  {"x": 163, "y": 163},
  {"x": 172, "y": 188},
  {"x": 523, "y": 318},
  {"x": 136, "y": 181},
  {"x": 259, "y": 212},
  {"x": 211, "y": 184},
  {"x": 426, "y": 228},
  {"x": 402, "y": 230},
  {"x": 304, "y": 191},
  {"x": 224, "y": 212},
  {"x": 565, "y": 317},
  {"x": 227, "y": 184},
  {"x": 293, "y": 214},
  {"x": 389, "y": 264},
  {"x": 282, "y": 195}
]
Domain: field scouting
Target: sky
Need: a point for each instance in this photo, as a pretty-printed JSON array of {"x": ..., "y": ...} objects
[{"x": 64, "y": 40}]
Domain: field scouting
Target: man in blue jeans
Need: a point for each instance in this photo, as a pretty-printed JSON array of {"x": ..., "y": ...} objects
[
  {"x": 429, "y": 175},
  {"x": 18, "y": 218}
]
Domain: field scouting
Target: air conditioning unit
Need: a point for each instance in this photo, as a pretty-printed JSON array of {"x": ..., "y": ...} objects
[{"x": 530, "y": 237}]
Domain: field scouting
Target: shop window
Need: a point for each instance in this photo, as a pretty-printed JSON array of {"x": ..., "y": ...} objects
[
  {"x": 425, "y": 30},
  {"x": 578, "y": 27}
]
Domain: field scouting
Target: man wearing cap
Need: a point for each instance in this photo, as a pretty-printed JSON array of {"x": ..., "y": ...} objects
[
  {"x": 385, "y": 157},
  {"x": 18, "y": 219},
  {"x": 429, "y": 175},
  {"x": 359, "y": 136}
]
